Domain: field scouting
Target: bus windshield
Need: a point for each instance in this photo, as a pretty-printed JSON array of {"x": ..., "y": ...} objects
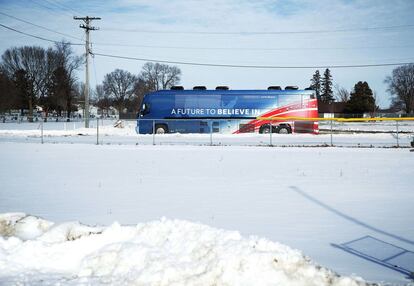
[{"x": 145, "y": 109}]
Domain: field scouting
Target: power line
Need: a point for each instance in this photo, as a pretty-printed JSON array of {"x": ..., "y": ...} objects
[
  {"x": 49, "y": 8},
  {"x": 62, "y": 6},
  {"x": 51, "y": 5},
  {"x": 37, "y": 37},
  {"x": 207, "y": 48},
  {"x": 250, "y": 49},
  {"x": 264, "y": 32},
  {"x": 252, "y": 66},
  {"x": 42, "y": 27},
  {"x": 216, "y": 65}
]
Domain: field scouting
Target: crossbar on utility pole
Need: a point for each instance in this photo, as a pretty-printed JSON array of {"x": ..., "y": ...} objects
[{"x": 87, "y": 28}]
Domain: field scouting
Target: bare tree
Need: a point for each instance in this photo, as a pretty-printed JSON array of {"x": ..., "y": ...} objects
[
  {"x": 102, "y": 100},
  {"x": 377, "y": 102},
  {"x": 79, "y": 91},
  {"x": 59, "y": 89},
  {"x": 120, "y": 86},
  {"x": 160, "y": 76},
  {"x": 8, "y": 94},
  {"x": 341, "y": 93},
  {"x": 401, "y": 87},
  {"x": 141, "y": 89},
  {"x": 63, "y": 81},
  {"x": 36, "y": 63}
]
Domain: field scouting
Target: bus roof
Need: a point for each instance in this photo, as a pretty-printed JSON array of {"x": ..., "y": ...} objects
[{"x": 232, "y": 91}]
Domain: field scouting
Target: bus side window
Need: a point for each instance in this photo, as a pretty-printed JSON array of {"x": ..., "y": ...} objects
[
  {"x": 184, "y": 101},
  {"x": 209, "y": 101},
  {"x": 288, "y": 99},
  {"x": 308, "y": 96},
  {"x": 228, "y": 101}
]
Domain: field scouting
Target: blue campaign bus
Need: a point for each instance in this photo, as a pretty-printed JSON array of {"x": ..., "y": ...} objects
[{"x": 227, "y": 111}]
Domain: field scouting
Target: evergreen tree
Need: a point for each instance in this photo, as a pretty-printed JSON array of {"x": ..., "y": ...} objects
[
  {"x": 362, "y": 99},
  {"x": 316, "y": 84},
  {"x": 327, "y": 92}
]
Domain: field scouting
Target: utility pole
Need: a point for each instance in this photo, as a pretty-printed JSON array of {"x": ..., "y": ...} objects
[{"x": 87, "y": 28}]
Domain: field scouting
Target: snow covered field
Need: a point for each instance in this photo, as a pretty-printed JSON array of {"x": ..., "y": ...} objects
[
  {"x": 345, "y": 134},
  {"x": 306, "y": 198},
  {"x": 378, "y": 126}
]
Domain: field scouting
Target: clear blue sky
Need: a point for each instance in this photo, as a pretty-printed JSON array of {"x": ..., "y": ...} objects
[{"x": 132, "y": 28}]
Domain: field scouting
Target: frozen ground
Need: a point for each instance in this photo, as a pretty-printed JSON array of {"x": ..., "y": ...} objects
[
  {"x": 344, "y": 134},
  {"x": 378, "y": 126},
  {"x": 306, "y": 198}
]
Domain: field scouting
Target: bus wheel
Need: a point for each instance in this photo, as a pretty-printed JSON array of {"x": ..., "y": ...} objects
[
  {"x": 284, "y": 130},
  {"x": 161, "y": 129},
  {"x": 264, "y": 129}
]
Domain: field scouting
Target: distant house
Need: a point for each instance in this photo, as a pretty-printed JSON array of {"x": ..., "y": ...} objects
[
  {"x": 390, "y": 112},
  {"x": 110, "y": 112}
]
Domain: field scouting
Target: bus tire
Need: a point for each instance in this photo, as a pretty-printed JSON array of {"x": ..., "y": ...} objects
[
  {"x": 161, "y": 129},
  {"x": 284, "y": 129},
  {"x": 264, "y": 129}
]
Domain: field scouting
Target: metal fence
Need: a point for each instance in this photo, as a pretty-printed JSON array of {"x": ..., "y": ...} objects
[{"x": 332, "y": 132}]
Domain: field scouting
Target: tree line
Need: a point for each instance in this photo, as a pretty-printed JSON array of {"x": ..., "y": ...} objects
[
  {"x": 362, "y": 98},
  {"x": 33, "y": 76}
]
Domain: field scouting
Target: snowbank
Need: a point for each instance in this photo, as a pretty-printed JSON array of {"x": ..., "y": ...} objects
[{"x": 163, "y": 252}]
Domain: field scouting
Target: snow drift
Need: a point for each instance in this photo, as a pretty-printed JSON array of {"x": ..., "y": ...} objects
[{"x": 163, "y": 252}]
